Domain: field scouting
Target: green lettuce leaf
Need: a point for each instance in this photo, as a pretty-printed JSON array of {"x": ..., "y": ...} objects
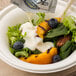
[
  {"x": 70, "y": 23},
  {"x": 40, "y": 19},
  {"x": 14, "y": 34}
]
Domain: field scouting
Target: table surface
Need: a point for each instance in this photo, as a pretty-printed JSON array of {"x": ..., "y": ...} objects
[{"x": 6, "y": 70}]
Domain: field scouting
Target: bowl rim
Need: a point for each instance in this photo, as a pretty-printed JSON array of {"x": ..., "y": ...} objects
[
  {"x": 3, "y": 58},
  {"x": 2, "y": 13}
]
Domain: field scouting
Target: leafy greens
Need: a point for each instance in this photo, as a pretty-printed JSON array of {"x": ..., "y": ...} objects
[
  {"x": 41, "y": 18},
  {"x": 67, "y": 49},
  {"x": 59, "y": 31},
  {"x": 70, "y": 23},
  {"x": 14, "y": 34}
]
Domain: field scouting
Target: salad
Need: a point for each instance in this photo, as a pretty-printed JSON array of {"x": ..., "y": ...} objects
[{"x": 43, "y": 41}]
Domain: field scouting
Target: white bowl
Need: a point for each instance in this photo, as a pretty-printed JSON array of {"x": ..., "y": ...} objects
[{"x": 13, "y": 15}]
